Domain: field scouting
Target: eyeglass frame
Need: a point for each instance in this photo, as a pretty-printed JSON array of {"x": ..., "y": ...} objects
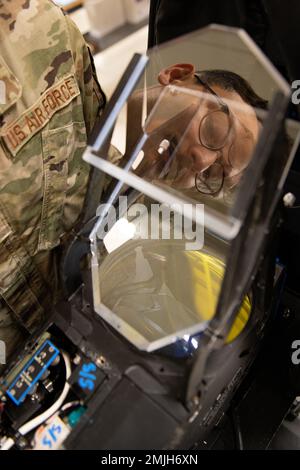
[{"x": 224, "y": 108}]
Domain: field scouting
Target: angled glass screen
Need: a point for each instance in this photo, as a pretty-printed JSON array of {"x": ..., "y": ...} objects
[{"x": 194, "y": 126}]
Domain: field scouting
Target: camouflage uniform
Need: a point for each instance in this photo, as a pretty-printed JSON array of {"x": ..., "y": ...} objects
[{"x": 51, "y": 99}]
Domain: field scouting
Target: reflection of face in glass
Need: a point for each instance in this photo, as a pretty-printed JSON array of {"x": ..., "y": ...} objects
[{"x": 208, "y": 145}]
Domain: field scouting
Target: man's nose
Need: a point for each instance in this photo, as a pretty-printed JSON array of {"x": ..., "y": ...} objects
[{"x": 202, "y": 157}]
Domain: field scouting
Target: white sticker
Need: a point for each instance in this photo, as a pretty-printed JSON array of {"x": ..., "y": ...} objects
[
  {"x": 51, "y": 435},
  {"x": 121, "y": 232}
]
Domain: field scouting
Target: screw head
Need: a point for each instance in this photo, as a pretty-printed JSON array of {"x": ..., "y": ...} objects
[
  {"x": 77, "y": 360},
  {"x": 289, "y": 199},
  {"x": 34, "y": 397},
  {"x": 100, "y": 361},
  {"x": 286, "y": 313}
]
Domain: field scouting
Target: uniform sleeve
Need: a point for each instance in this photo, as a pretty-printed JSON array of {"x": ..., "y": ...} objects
[{"x": 92, "y": 95}]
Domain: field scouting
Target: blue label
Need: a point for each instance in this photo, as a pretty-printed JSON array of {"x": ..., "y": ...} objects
[
  {"x": 87, "y": 378},
  {"x": 51, "y": 436}
]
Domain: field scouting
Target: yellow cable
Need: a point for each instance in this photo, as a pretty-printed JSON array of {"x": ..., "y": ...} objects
[{"x": 207, "y": 276}]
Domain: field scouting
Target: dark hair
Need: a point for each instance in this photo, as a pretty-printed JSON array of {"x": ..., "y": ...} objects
[{"x": 233, "y": 82}]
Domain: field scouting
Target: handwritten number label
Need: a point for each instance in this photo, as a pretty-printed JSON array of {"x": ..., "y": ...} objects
[{"x": 87, "y": 378}]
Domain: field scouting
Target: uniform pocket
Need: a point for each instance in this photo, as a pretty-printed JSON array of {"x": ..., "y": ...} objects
[
  {"x": 9, "y": 265},
  {"x": 59, "y": 146},
  {"x": 19, "y": 281}
]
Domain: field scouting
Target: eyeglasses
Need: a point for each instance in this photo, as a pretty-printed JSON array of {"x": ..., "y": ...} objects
[{"x": 214, "y": 131}]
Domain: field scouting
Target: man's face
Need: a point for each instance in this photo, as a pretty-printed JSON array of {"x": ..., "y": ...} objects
[{"x": 192, "y": 135}]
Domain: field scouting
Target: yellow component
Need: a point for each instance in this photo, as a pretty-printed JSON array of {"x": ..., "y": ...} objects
[
  {"x": 240, "y": 321},
  {"x": 207, "y": 275}
]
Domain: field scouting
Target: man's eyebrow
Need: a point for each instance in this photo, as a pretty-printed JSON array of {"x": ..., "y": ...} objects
[
  {"x": 249, "y": 133},
  {"x": 211, "y": 104}
]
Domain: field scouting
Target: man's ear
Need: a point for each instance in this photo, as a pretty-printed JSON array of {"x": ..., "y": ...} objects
[{"x": 176, "y": 72}]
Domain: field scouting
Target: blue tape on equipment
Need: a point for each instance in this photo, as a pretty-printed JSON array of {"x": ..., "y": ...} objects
[{"x": 32, "y": 372}]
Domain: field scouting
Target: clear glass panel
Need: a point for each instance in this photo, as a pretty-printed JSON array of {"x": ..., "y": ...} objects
[
  {"x": 199, "y": 144},
  {"x": 192, "y": 131},
  {"x": 219, "y": 48},
  {"x": 157, "y": 276}
]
